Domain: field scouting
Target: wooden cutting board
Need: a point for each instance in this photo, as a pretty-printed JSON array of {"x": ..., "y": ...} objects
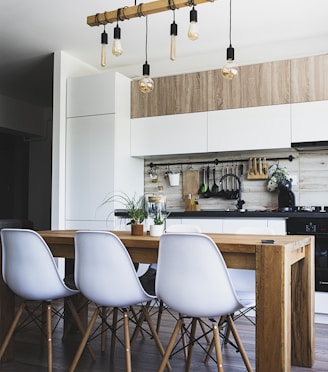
[{"x": 190, "y": 182}]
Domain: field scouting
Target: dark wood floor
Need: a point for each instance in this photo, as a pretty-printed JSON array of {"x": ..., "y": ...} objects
[{"x": 145, "y": 356}]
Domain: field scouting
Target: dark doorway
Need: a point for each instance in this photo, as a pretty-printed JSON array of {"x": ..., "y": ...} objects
[{"x": 14, "y": 165}]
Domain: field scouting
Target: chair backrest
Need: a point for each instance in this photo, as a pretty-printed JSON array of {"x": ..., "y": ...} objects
[
  {"x": 208, "y": 293},
  {"x": 183, "y": 227},
  {"x": 104, "y": 271},
  {"x": 28, "y": 266}
]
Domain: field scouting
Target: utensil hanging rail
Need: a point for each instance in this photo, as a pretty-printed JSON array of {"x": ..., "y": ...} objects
[{"x": 216, "y": 161}]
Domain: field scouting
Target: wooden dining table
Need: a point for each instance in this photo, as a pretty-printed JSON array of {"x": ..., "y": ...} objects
[{"x": 284, "y": 288}]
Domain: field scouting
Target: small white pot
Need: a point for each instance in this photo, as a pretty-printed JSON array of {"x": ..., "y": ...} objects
[
  {"x": 174, "y": 179},
  {"x": 156, "y": 230}
]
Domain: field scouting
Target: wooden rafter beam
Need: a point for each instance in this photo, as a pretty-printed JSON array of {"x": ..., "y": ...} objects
[{"x": 140, "y": 10}]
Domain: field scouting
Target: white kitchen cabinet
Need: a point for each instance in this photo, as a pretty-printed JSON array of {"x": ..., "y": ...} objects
[
  {"x": 98, "y": 160},
  {"x": 207, "y": 225},
  {"x": 91, "y": 95},
  {"x": 169, "y": 135},
  {"x": 253, "y": 128},
  {"x": 232, "y": 225},
  {"x": 309, "y": 121}
]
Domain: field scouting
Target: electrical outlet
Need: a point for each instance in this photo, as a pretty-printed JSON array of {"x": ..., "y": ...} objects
[{"x": 294, "y": 178}]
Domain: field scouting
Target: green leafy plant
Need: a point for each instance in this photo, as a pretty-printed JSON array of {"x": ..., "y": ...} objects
[
  {"x": 160, "y": 218},
  {"x": 135, "y": 206}
]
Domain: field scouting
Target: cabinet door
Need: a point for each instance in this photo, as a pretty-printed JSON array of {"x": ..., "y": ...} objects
[
  {"x": 309, "y": 121},
  {"x": 91, "y": 95},
  {"x": 168, "y": 135},
  {"x": 90, "y": 167},
  {"x": 232, "y": 225},
  {"x": 254, "y": 128}
]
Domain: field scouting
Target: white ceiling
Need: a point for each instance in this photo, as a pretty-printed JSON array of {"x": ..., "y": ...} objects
[{"x": 262, "y": 30}]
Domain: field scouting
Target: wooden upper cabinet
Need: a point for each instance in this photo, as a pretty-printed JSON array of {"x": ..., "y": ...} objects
[
  {"x": 257, "y": 85},
  {"x": 309, "y": 79}
]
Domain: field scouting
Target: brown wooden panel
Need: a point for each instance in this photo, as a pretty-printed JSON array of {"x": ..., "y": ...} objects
[
  {"x": 309, "y": 79},
  {"x": 257, "y": 85}
]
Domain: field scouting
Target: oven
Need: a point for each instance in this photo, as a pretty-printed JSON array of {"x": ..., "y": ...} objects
[{"x": 317, "y": 226}]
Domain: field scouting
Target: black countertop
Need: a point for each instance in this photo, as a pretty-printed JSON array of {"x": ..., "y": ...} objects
[{"x": 235, "y": 214}]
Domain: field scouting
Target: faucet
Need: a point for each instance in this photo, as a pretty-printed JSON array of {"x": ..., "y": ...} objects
[{"x": 234, "y": 193}]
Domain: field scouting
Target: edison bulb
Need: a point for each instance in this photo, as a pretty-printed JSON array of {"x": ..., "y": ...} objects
[
  {"x": 104, "y": 42},
  {"x": 173, "y": 48},
  {"x": 230, "y": 69},
  {"x": 117, "y": 49},
  {"x": 146, "y": 84},
  {"x": 193, "y": 31}
]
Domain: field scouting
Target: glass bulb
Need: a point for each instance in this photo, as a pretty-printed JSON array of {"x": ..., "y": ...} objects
[
  {"x": 193, "y": 31},
  {"x": 230, "y": 69},
  {"x": 146, "y": 84},
  {"x": 117, "y": 49},
  {"x": 103, "y": 55},
  {"x": 173, "y": 48}
]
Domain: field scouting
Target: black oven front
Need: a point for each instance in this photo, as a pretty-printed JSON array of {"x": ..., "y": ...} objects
[{"x": 319, "y": 228}]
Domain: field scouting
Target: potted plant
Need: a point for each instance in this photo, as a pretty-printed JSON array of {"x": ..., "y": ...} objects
[
  {"x": 157, "y": 228},
  {"x": 135, "y": 207}
]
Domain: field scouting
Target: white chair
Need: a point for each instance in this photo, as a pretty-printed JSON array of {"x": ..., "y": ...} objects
[
  {"x": 209, "y": 294},
  {"x": 29, "y": 269},
  {"x": 106, "y": 275}
]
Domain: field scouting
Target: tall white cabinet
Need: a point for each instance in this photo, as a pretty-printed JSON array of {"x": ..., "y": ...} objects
[{"x": 98, "y": 160}]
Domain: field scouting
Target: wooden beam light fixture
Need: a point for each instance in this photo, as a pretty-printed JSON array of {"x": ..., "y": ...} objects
[{"x": 135, "y": 11}]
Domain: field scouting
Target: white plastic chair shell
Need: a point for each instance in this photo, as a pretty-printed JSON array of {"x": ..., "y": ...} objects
[
  {"x": 210, "y": 293},
  {"x": 28, "y": 267},
  {"x": 104, "y": 271}
]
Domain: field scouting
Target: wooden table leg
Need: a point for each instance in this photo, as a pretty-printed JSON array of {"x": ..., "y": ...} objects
[
  {"x": 302, "y": 333},
  {"x": 272, "y": 309}
]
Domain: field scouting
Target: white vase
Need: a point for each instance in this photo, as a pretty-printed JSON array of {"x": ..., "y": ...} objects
[{"x": 156, "y": 230}]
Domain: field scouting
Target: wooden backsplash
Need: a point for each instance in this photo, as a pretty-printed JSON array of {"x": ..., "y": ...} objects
[{"x": 309, "y": 168}]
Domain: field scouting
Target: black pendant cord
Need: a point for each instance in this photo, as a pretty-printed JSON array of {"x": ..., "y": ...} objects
[
  {"x": 146, "y": 44},
  {"x": 230, "y": 26}
]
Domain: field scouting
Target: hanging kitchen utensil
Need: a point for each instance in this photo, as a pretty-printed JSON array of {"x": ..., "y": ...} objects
[
  {"x": 203, "y": 186},
  {"x": 215, "y": 187},
  {"x": 207, "y": 193}
]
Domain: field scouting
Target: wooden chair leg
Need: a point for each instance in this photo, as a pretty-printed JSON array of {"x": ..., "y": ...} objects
[
  {"x": 159, "y": 315},
  {"x": 78, "y": 322},
  {"x": 191, "y": 343},
  {"x": 239, "y": 343},
  {"x": 217, "y": 344},
  {"x": 154, "y": 334},
  {"x": 170, "y": 345},
  {"x": 49, "y": 337},
  {"x": 103, "y": 328},
  {"x": 127, "y": 341},
  {"x": 113, "y": 338},
  {"x": 11, "y": 329},
  {"x": 204, "y": 331},
  {"x": 84, "y": 341}
]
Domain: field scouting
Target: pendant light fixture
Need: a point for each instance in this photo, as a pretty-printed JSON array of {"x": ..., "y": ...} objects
[
  {"x": 104, "y": 43},
  {"x": 173, "y": 32},
  {"x": 117, "y": 49},
  {"x": 146, "y": 83},
  {"x": 193, "y": 31},
  {"x": 230, "y": 69}
]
